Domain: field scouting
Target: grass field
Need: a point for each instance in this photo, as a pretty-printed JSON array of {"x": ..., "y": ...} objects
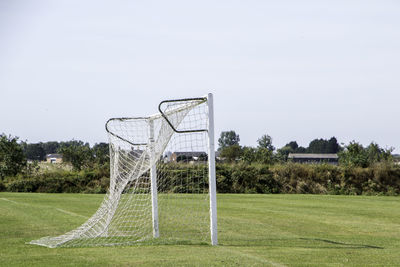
[{"x": 254, "y": 230}]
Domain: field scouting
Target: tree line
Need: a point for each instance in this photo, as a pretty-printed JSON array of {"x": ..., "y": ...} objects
[
  {"x": 80, "y": 155},
  {"x": 77, "y": 152},
  {"x": 354, "y": 153},
  {"x": 15, "y": 154}
]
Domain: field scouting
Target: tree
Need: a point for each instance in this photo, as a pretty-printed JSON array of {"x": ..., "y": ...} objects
[
  {"x": 317, "y": 146},
  {"x": 332, "y": 146},
  {"x": 35, "y": 151},
  {"x": 12, "y": 157},
  {"x": 101, "y": 153},
  {"x": 51, "y": 147},
  {"x": 77, "y": 153},
  {"x": 293, "y": 145},
  {"x": 259, "y": 154},
  {"x": 283, "y": 153},
  {"x": 377, "y": 154},
  {"x": 228, "y": 138},
  {"x": 323, "y": 146},
  {"x": 264, "y": 155},
  {"x": 231, "y": 153},
  {"x": 266, "y": 142},
  {"x": 355, "y": 154},
  {"x": 300, "y": 149},
  {"x": 249, "y": 154}
]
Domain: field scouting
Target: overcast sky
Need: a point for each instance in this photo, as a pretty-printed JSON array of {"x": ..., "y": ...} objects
[{"x": 296, "y": 70}]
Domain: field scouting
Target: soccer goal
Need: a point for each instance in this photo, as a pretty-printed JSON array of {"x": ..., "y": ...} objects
[{"x": 162, "y": 180}]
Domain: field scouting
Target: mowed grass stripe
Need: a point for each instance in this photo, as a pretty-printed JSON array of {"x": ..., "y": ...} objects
[
  {"x": 12, "y": 201},
  {"x": 71, "y": 213},
  {"x": 256, "y": 230}
]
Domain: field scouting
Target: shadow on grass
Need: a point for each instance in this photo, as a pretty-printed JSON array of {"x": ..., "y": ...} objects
[
  {"x": 301, "y": 242},
  {"x": 298, "y": 243},
  {"x": 346, "y": 245},
  {"x": 270, "y": 243},
  {"x": 173, "y": 242}
]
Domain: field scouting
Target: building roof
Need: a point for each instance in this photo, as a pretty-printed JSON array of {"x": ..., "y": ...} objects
[
  {"x": 312, "y": 156},
  {"x": 57, "y": 156}
]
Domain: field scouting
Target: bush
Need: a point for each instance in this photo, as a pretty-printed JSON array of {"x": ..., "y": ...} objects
[
  {"x": 59, "y": 182},
  {"x": 378, "y": 179}
]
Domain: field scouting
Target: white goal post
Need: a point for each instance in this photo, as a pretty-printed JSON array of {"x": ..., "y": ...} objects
[{"x": 162, "y": 180}]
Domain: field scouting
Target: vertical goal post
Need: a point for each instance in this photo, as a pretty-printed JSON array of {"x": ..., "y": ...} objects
[
  {"x": 162, "y": 174},
  {"x": 211, "y": 172},
  {"x": 211, "y": 161}
]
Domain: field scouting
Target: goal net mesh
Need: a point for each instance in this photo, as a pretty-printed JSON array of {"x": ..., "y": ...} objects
[{"x": 139, "y": 149}]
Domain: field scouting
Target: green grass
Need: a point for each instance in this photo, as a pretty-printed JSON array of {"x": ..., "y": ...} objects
[{"x": 254, "y": 230}]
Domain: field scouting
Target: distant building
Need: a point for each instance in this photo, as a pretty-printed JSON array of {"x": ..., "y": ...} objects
[
  {"x": 54, "y": 158},
  {"x": 396, "y": 159},
  {"x": 314, "y": 158}
]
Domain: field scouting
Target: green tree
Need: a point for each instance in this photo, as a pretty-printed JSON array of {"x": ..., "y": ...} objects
[
  {"x": 77, "y": 153},
  {"x": 283, "y": 153},
  {"x": 264, "y": 155},
  {"x": 332, "y": 146},
  {"x": 354, "y": 154},
  {"x": 378, "y": 154},
  {"x": 295, "y": 148},
  {"x": 35, "y": 151},
  {"x": 101, "y": 153},
  {"x": 12, "y": 157},
  {"x": 265, "y": 141},
  {"x": 300, "y": 149},
  {"x": 51, "y": 147},
  {"x": 317, "y": 146},
  {"x": 260, "y": 155},
  {"x": 231, "y": 153},
  {"x": 249, "y": 154},
  {"x": 293, "y": 145},
  {"x": 323, "y": 146},
  {"x": 228, "y": 138}
]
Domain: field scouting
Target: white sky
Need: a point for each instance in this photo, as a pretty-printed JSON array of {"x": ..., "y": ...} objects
[{"x": 296, "y": 70}]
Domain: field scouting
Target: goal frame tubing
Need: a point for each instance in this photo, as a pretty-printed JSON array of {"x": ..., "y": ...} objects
[
  {"x": 211, "y": 160},
  {"x": 211, "y": 172},
  {"x": 203, "y": 99}
]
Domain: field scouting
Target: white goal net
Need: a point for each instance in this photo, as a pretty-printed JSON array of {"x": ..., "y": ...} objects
[{"x": 162, "y": 180}]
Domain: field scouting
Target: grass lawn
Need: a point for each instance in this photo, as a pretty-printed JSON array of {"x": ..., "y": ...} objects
[{"x": 254, "y": 230}]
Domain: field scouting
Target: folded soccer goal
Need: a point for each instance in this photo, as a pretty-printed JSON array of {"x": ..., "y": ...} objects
[{"x": 162, "y": 180}]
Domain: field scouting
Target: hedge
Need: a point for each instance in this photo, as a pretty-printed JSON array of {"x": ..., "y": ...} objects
[{"x": 379, "y": 179}]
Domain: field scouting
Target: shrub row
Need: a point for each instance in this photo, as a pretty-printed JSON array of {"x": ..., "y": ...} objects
[
  {"x": 382, "y": 178},
  {"x": 378, "y": 179},
  {"x": 93, "y": 181}
]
